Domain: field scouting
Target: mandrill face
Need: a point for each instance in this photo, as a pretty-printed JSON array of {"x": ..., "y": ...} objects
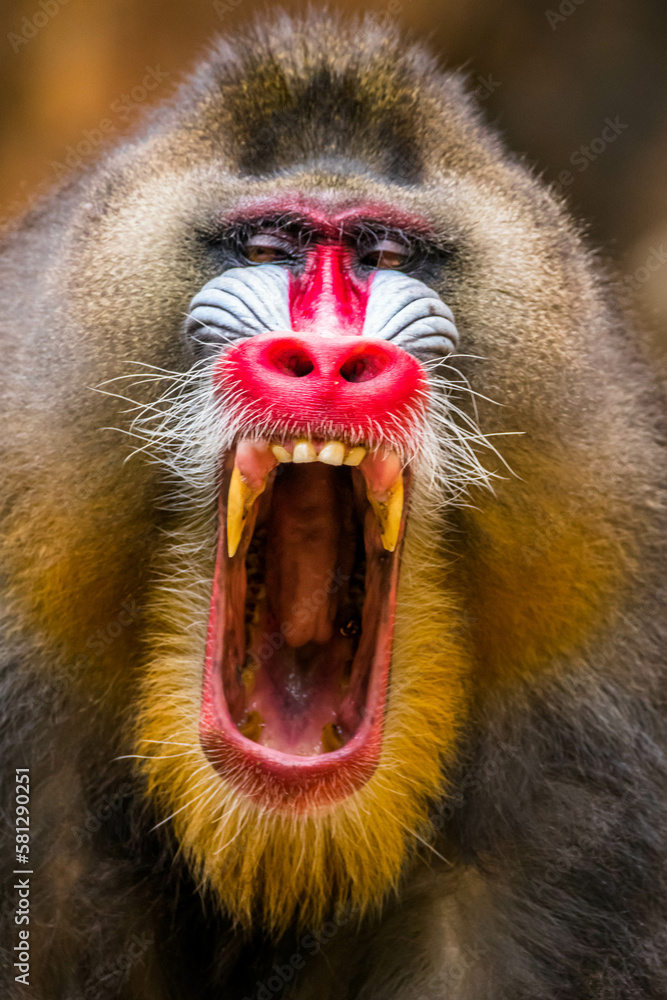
[
  {"x": 318, "y": 395},
  {"x": 326, "y": 412}
]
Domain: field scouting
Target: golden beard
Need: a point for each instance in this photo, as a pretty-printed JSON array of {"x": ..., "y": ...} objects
[{"x": 271, "y": 868}]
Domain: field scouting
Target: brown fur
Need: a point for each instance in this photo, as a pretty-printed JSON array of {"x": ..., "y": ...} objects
[{"x": 519, "y": 852}]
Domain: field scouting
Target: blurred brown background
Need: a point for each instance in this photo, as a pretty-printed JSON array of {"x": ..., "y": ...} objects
[{"x": 577, "y": 86}]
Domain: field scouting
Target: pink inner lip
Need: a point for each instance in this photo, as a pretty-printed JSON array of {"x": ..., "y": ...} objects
[{"x": 299, "y": 640}]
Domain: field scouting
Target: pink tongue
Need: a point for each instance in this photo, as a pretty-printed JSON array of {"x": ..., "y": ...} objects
[{"x": 303, "y": 545}]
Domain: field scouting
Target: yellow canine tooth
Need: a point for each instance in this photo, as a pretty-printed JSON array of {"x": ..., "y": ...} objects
[
  {"x": 388, "y": 513},
  {"x": 240, "y": 500},
  {"x": 304, "y": 451},
  {"x": 332, "y": 453},
  {"x": 281, "y": 453},
  {"x": 354, "y": 456}
]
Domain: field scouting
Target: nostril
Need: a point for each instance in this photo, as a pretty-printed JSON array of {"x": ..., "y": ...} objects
[
  {"x": 292, "y": 362},
  {"x": 298, "y": 365},
  {"x": 363, "y": 367},
  {"x": 311, "y": 384}
]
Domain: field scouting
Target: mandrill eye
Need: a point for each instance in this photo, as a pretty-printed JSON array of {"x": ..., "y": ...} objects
[
  {"x": 385, "y": 255},
  {"x": 266, "y": 249}
]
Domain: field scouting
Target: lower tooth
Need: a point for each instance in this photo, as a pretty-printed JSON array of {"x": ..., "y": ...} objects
[
  {"x": 251, "y": 726},
  {"x": 248, "y": 679},
  {"x": 257, "y": 610},
  {"x": 332, "y": 737}
]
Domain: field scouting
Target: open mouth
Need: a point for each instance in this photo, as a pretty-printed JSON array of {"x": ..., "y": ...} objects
[{"x": 301, "y": 621}]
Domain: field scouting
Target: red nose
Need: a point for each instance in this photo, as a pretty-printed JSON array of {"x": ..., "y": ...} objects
[{"x": 365, "y": 387}]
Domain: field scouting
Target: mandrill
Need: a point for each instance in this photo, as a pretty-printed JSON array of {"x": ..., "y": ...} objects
[{"x": 333, "y": 559}]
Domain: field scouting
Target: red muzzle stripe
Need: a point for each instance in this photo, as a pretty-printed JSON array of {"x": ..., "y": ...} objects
[{"x": 328, "y": 298}]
